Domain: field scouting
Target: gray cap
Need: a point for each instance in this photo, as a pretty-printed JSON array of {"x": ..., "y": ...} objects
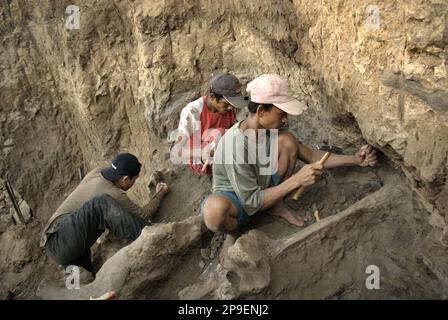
[{"x": 229, "y": 87}]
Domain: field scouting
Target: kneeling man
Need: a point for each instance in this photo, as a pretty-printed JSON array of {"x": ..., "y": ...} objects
[{"x": 98, "y": 203}]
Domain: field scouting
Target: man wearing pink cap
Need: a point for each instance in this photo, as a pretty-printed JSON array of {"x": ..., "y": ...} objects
[{"x": 242, "y": 186}]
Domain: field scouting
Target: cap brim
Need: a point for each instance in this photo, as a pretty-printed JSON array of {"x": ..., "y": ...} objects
[
  {"x": 110, "y": 174},
  {"x": 293, "y": 107},
  {"x": 237, "y": 101}
]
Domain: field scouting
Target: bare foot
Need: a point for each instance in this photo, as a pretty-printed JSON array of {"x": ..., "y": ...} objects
[
  {"x": 228, "y": 242},
  {"x": 282, "y": 211}
]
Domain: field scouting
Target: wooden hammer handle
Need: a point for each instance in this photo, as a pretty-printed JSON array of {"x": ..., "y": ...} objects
[{"x": 298, "y": 192}]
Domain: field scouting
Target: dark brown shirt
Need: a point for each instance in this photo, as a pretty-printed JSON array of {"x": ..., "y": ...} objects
[{"x": 94, "y": 184}]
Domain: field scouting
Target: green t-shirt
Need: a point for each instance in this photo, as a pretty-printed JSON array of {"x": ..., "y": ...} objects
[{"x": 244, "y": 166}]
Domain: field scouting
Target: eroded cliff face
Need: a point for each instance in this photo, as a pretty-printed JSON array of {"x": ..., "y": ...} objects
[{"x": 74, "y": 98}]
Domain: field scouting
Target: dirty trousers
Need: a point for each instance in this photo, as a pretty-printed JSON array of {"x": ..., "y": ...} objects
[{"x": 78, "y": 231}]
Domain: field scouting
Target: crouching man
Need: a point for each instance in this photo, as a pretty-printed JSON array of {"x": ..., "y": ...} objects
[
  {"x": 203, "y": 121},
  {"x": 98, "y": 203},
  {"x": 244, "y": 183}
]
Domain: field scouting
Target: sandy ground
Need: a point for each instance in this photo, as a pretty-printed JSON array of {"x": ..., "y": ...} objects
[{"x": 337, "y": 190}]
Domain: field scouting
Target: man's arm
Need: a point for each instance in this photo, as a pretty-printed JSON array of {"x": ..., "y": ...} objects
[
  {"x": 189, "y": 128},
  {"x": 275, "y": 194},
  {"x": 304, "y": 177},
  {"x": 254, "y": 199},
  {"x": 153, "y": 205},
  {"x": 150, "y": 208},
  {"x": 364, "y": 157}
]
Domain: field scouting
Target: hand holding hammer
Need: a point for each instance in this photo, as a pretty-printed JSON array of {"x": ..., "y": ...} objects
[
  {"x": 298, "y": 192},
  {"x": 329, "y": 150}
]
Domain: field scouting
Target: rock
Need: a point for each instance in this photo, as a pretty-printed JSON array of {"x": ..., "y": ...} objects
[
  {"x": 206, "y": 253},
  {"x": 148, "y": 259},
  {"x": 26, "y": 210},
  {"x": 444, "y": 237},
  {"x": 156, "y": 177},
  {"x": 437, "y": 264},
  {"x": 436, "y": 220},
  {"x": 246, "y": 271},
  {"x": 215, "y": 244},
  {"x": 209, "y": 271},
  {"x": 7, "y": 150},
  {"x": 86, "y": 277},
  {"x": 8, "y": 143}
]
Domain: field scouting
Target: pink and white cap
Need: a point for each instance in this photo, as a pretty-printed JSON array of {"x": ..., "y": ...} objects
[{"x": 273, "y": 89}]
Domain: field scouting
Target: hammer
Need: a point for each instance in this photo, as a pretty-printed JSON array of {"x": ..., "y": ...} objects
[{"x": 329, "y": 149}]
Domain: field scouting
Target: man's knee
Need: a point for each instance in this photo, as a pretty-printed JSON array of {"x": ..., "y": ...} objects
[
  {"x": 59, "y": 249},
  {"x": 288, "y": 143},
  {"x": 216, "y": 209}
]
